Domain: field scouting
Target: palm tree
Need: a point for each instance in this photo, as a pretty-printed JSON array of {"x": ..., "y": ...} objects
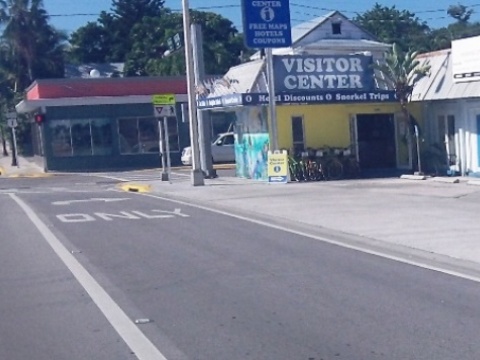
[
  {"x": 403, "y": 71},
  {"x": 36, "y": 46}
]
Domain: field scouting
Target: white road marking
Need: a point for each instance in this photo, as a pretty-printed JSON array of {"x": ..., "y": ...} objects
[
  {"x": 365, "y": 250},
  {"x": 107, "y": 200},
  {"x": 75, "y": 218},
  {"x": 140, "y": 345},
  {"x": 132, "y": 215}
]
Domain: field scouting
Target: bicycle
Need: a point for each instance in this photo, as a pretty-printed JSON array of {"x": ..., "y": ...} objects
[
  {"x": 351, "y": 167},
  {"x": 303, "y": 167},
  {"x": 329, "y": 161},
  {"x": 312, "y": 169},
  {"x": 295, "y": 169}
]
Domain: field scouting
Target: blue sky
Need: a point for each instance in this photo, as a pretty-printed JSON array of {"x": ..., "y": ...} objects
[{"x": 69, "y": 15}]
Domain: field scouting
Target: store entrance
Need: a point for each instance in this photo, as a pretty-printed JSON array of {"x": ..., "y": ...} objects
[{"x": 376, "y": 141}]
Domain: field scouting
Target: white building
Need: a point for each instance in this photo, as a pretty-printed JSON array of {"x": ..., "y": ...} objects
[{"x": 451, "y": 98}]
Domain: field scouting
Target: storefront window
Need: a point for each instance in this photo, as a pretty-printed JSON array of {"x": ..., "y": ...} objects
[
  {"x": 128, "y": 135},
  {"x": 298, "y": 135},
  {"x": 140, "y": 135},
  {"x": 82, "y": 137},
  {"x": 173, "y": 134},
  {"x": 101, "y": 136},
  {"x": 148, "y": 135},
  {"x": 61, "y": 138}
]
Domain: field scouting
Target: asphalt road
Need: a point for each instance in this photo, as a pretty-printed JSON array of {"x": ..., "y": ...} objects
[{"x": 205, "y": 286}]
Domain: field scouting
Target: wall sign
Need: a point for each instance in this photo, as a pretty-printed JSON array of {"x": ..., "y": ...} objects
[
  {"x": 323, "y": 72},
  {"x": 311, "y": 98}
]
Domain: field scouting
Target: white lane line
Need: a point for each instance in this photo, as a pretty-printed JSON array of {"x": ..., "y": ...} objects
[
  {"x": 416, "y": 263},
  {"x": 140, "y": 345}
]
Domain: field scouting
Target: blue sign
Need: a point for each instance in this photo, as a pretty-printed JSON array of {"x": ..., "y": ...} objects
[
  {"x": 311, "y": 98},
  {"x": 305, "y": 73},
  {"x": 323, "y": 97},
  {"x": 278, "y": 179},
  {"x": 220, "y": 101},
  {"x": 266, "y": 23}
]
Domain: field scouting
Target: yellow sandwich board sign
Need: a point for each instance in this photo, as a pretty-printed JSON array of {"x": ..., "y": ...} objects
[{"x": 277, "y": 167}]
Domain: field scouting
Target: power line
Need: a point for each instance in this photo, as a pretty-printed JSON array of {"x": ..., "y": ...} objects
[{"x": 227, "y": 6}]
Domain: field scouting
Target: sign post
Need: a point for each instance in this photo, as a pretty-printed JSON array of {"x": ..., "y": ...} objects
[
  {"x": 164, "y": 107},
  {"x": 12, "y": 123},
  {"x": 267, "y": 25}
]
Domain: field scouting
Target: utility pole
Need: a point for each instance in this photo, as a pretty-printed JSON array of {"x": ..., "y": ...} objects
[
  {"x": 12, "y": 123},
  {"x": 196, "y": 175},
  {"x": 204, "y": 127},
  {"x": 4, "y": 141}
]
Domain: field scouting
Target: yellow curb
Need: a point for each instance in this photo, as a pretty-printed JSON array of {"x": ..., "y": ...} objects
[
  {"x": 216, "y": 167},
  {"x": 224, "y": 166},
  {"x": 2, "y": 172},
  {"x": 135, "y": 187},
  {"x": 32, "y": 175}
]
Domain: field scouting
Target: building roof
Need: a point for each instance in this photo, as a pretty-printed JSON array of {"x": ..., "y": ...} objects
[
  {"x": 94, "y": 70},
  {"x": 440, "y": 85},
  {"x": 80, "y": 87},
  {"x": 302, "y": 38},
  {"x": 97, "y": 91},
  {"x": 243, "y": 78},
  {"x": 26, "y": 106},
  {"x": 301, "y": 30}
]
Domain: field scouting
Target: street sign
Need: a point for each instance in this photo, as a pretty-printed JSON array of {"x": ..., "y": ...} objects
[
  {"x": 266, "y": 24},
  {"x": 12, "y": 119},
  {"x": 164, "y": 110},
  {"x": 163, "y": 99},
  {"x": 277, "y": 167},
  {"x": 12, "y": 122}
]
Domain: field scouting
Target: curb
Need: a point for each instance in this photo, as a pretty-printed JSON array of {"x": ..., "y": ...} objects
[
  {"x": 413, "y": 177},
  {"x": 446, "y": 180},
  {"x": 473, "y": 182},
  {"x": 135, "y": 188},
  {"x": 2, "y": 171},
  {"x": 30, "y": 175}
]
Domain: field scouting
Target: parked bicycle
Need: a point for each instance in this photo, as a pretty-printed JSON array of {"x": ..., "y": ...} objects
[
  {"x": 326, "y": 163},
  {"x": 328, "y": 158},
  {"x": 303, "y": 167}
]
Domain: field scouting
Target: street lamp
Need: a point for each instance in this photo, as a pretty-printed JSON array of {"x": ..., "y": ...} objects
[{"x": 197, "y": 175}]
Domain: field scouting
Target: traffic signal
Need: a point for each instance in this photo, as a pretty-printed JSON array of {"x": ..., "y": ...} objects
[{"x": 39, "y": 118}]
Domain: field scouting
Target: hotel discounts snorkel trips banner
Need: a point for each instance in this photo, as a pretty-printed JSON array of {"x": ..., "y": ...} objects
[{"x": 305, "y": 73}]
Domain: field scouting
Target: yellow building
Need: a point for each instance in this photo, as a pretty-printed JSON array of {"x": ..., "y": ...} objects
[{"x": 327, "y": 95}]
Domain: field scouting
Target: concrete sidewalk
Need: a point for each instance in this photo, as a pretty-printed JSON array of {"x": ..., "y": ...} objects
[
  {"x": 26, "y": 167},
  {"x": 435, "y": 216}
]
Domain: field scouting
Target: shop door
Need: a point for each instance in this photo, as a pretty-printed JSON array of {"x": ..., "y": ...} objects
[
  {"x": 478, "y": 140},
  {"x": 446, "y": 134},
  {"x": 376, "y": 141}
]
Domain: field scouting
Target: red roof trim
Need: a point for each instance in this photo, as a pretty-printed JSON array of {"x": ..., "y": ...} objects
[{"x": 68, "y": 88}]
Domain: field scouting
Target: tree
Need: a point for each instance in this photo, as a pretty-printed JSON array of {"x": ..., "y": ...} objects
[
  {"x": 390, "y": 25},
  {"x": 29, "y": 49},
  {"x": 442, "y": 38},
  {"x": 109, "y": 38},
  {"x": 136, "y": 32},
  {"x": 460, "y": 13},
  {"x": 35, "y": 47},
  {"x": 89, "y": 44},
  {"x": 403, "y": 71},
  {"x": 222, "y": 45}
]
